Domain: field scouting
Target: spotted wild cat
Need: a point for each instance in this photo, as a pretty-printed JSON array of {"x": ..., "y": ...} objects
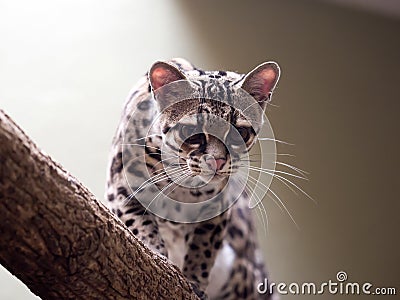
[{"x": 187, "y": 150}]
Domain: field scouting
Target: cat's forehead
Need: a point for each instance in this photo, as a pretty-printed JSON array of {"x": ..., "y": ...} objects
[
  {"x": 217, "y": 93},
  {"x": 194, "y": 107},
  {"x": 228, "y": 76}
]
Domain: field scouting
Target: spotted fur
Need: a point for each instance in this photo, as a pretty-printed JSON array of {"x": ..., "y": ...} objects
[{"x": 219, "y": 256}]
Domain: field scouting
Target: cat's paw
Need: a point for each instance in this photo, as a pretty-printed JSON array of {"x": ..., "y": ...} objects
[{"x": 200, "y": 293}]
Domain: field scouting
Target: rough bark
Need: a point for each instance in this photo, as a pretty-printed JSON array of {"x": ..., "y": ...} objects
[{"x": 62, "y": 242}]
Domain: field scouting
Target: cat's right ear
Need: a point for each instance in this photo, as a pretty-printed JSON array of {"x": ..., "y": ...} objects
[
  {"x": 162, "y": 73},
  {"x": 261, "y": 82}
]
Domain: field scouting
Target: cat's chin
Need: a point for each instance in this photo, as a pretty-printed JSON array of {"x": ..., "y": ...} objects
[
  {"x": 201, "y": 180},
  {"x": 213, "y": 179}
]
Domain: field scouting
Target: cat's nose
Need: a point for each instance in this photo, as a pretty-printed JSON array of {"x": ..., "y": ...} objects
[{"x": 215, "y": 164}]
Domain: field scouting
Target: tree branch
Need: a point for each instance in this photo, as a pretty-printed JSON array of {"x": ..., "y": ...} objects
[{"x": 62, "y": 242}]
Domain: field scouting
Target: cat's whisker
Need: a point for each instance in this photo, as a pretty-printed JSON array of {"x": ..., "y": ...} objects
[
  {"x": 259, "y": 201},
  {"x": 170, "y": 164},
  {"x": 166, "y": 175},
  {"x": 298, "y": 170},
  {"x": 151, "y": 178},
  {"x": 253, "y": 154},
  {"x": 127, "y": 200},
  {"x": 297, "y": 187},
  {"x": 255, "y": 181},
  {"x": 263, "y": 212},
  {"x": 165, "y": 188},
  {"x": 258, "y": 204},
  {"x": 274, "y": 140},
  {"x": 163, "y": 160},
  {"x": 148, "y": 182},
  {"x": 174, "y": 164},
  {"x": 181, "y": 179},
  {"x": 155, "y": 179},
  {"x": 247, "y": 156},
  {"x": 270, "y": 172},
  {"x": 281, "y": 178},
  {"x": 284, "y": 206},
  {"x": 167, "y": 167},
  {"x": 287, "y": 185},
  {"x": 162, "y": 178},
  {"x": 250, "y": 160},
  {"x": 273, "y": 105},
  {"x": 278, "y": 154},
  {"x": 271, "y": 153}
]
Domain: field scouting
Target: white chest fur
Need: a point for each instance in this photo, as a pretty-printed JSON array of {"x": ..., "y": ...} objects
[
  {"x": 221, "y": 270},
  {"x": 174, "y": 238}
]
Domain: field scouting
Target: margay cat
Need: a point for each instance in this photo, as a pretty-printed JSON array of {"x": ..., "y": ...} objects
[{"x": 220, "y": 256}]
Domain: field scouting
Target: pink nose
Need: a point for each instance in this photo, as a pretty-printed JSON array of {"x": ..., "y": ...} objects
[{"x": 215, "y": 164}]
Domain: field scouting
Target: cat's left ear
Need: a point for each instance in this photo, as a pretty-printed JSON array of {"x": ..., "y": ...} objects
[
  {"x": 261, "y": 82},
  {"x": 162, "y": 73}
]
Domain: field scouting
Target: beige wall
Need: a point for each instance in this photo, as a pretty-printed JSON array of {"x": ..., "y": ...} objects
[{"x": 66, "y": 67}]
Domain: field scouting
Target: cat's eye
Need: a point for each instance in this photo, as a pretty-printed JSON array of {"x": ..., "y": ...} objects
[
  {"x": 186, "y": 131},
  {"x": 198, "y": 138},
  {"x": 243, "y": 136},
  {"x": 188, "y": 134}
]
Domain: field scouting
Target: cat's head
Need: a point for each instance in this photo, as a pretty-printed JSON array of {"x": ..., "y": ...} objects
[{"x": 209, "y": 135}]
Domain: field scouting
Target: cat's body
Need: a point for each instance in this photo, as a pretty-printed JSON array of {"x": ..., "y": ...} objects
[{"x": 219, "y": 255}]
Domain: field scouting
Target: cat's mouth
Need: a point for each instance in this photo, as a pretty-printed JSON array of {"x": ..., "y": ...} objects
[
  {"x": 207, "y": 166},
  {"x": 203, "y": 179}
]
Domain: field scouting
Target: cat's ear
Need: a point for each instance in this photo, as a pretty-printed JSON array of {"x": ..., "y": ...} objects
[
  {"x": 261, "y": 81},
  {"x": 162, "y": 73}
]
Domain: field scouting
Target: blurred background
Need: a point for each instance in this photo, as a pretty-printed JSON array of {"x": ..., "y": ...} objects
[{"x": 67, "y": 66}]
